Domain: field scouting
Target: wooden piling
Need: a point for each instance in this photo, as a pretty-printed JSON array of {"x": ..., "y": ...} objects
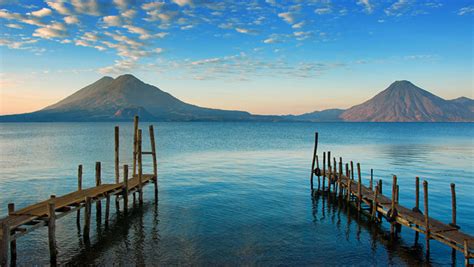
[
  {"x": 380, "y": 193},
  {"x": 347, "y": 170},
  {"x": 349, "y": 190},
  {"x": 417, "y": 194},
  {"x": 79, "y": 188},
  {"x": 11, "y": 210},
  {"x": 107, "y": 208},
  {"x": 371, "y": 185},
  {"x": 125, "y": 188},
  {"x": 140, "y": 167},
  {"x": 314, "y": 156},
  {"x": 340, "y": 177},
  {"x": 453, "y": 205},
  {"x": 98, "y": 181},
  {"x": 4, "y": 245},
  {"x": 392, "y": 209},
  {"x": 359, "y": 188},
  {"x": 324, "y": 169},
  {"x": 466, "y": 253},
  {"x": 319, "y": 173},
  {"x": 427, "y": 223},
  {"x": 53, "y": 251},
  {"x": 352, "y": 170},
  {"x": 135, "y": 137},
  {"x": 336, "y": 179},
  {"x": 117, "y": 157},
  {"x": 375, "y": 203},
  {"x": 87, "y": 218}
]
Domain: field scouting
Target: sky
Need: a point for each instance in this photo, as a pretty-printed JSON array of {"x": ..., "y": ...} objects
[{"x": 261, "y": 56}]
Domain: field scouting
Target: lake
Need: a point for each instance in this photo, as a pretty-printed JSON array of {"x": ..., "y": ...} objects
[{"x": 238, "y": 193}]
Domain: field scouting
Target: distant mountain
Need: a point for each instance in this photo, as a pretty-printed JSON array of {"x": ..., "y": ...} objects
[
  {"x": 402, "y": 101},
  {"x": 328, "y": 115},
  {"x": 124, "y": 97}
]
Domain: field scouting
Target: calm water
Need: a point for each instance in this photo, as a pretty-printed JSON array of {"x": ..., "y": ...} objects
[{"x": 238, "y": 193}]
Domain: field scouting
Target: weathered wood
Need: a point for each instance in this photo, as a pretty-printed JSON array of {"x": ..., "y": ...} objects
[
  {"x": 314, "y": 157},
  {"x": 352, "y": 170},
  {"x": 79, "y": 188},
  {"x": 324, "y": 169},
  {"x": 53, "y": 251},
  {"x": 135, "y": 138},
  {"x": 371, "y": 185},
  {"x": 98, "y": 182},
  {"x": 140, "y": 167},
  {"x": 11, "y": 210},
  {"x": 125, "y": 188},
  {"x": 87, "y": 217},
  {"x": 359, "y": 188},
  {"x": 466, "y": 253},
  {"x": 394, "y": 201},
  {"x": 155, "y": 162},
  {"x": 427, "y": 222},
  {"x": 417, "y": 194},
  {"x": 453, "y": 204},
  {"x": 117, "y": 156},
  {"x": 5, "y": 243},
  {"x": 375, "y": 203},
  {"x": 340, "y": 177},
  {"x": 107, "y": 208}
]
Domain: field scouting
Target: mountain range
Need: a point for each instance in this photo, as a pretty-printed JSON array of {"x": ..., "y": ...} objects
[{"x": 122, "y": 98}]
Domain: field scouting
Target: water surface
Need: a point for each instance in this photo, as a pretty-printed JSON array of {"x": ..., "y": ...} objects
[{"x": 238, "y": 193}]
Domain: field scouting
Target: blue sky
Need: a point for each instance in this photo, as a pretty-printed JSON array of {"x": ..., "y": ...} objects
[{"x": 267, "y": 57}]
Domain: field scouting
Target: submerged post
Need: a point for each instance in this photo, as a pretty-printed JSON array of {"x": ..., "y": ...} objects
[
  {"x": 125, "y": 187},
  {"x": 53, "y": 251},
  {"x": 140, "y": 169},
  {"x": 135, "y": 137},
  {"x": 314, "y": 158},
  {"x": 427, "y": 222},
  {"x": 87, "y": 218},
  {"x": 375, "y": 203},
  {"x": 11, "y": 210}
]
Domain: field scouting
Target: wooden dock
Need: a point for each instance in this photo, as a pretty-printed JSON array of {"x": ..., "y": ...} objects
[
  {"x": 369, "y": 200},
  {"x": 45, "y": 213}
]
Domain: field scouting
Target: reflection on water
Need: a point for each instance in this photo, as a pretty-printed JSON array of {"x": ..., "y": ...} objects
[{"x": 237, "y": 193}]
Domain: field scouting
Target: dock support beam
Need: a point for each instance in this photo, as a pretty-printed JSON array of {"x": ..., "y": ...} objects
[
  {"x": 155, "y": 164},
  {"x": 125, "y": 188},
  {"x": 5, "y": 243},
  {"x": 79, "y": 188},
  {"x": 314, "y": 158},
  {"x": 324, "y": 170},
  {"x": 87, "y": 219},
  {"x": 453, "y": 205},
  {"x": 98, "y": 181},
  {"x": 53, "y": 251},
  {"x": 427, "y": 222},
  {"x": 359, "y": 188},
  {"x": 11, "y": 210},
  {"x": 140, "y": 169},
  {"x": 135, "y": 138}
]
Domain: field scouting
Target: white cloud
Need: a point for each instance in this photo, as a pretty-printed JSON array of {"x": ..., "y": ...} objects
[
  {"x": 245, "y": 31},
  {"x": 289, "y": 17},
  {"x": 112, "y": 20},
  {"x": 122, "y": 4},
  {"x": 153, "y": 5},
  {"x": 367, "y": 5},
  {"x": 323, "y": 10},
  {"x": 144, "y": 34},
  {"x": 55, "y": 30},
  {"x": 14, "y": 26},
  {"x": 466, "y": 10},
  {"x": 89, "y": 7},
  {"x": 71, "y": 19},
  {"x": 42, "y": 12},
  {"x": 395, "y": 8},
  {"x": 129, "y": 13},
  {"x": 184, "y": 2},
  {"x": 59, "y": 6},
  {"x": 298, "y": 25}
]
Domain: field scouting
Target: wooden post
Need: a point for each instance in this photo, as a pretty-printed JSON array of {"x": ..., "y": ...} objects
[
  {"x": 336, "y": 179},
  {"x": 107, "y": 208},
  {"x": 347, "y": 170},
  {"x": 155, "y": 164},
  {"x": 394, "y": 197},
  {"x": 453, "y": 204},
  {"x": 352, "y": 170},
  {"x": 53, "y": 251},
  {"x": 427, "y": 222},
  {"x": 87, "y": 218},
  {"x": 466, "y": 253},
  {"x": 340, "y": 176},
  {"x": 5, "y": 243},
  {"x": 371, "y": 185},
  {"x": 324, "y": 169},
  {"x": 359, "y": 188},
  {"x": 140, "y": 167},
  {"x": 375, "y": 203},
  {"x": 135, "y": 137},
  {"x": 98, "y": 181},
  {"x": 11, "y": 210},
  {"x": 314, "y": 157},
  {"x": 329, "y": 171},
  {"x": 319, "y": 173},
  {"x": 417, "y": 194},
  {"x": 117, "y": 158},
  {"x": 125, "y": 188},
  {"x": 380, "y": 193},
  {"x": 79, "y": 188},
  {"x": 349, "y": 189}
]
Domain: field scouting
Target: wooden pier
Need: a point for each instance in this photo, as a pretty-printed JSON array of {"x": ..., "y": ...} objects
[
  {"x": 370, "y": 200},
  {"x": 45, "y": 213}
]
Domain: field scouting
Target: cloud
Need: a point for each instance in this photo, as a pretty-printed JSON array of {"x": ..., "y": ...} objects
[
  {"x": 59, "y": 6},
  {"x": 71, "y": 20},
  {"x": 89, "y": 7},
  {"x": 466, "y": 10},
  {"x": 396, "y": 8},
  {"x": 42, "y": 12},
  {"x": 289, "y": 17},
  {"x": 55, "y": 30},
  {"x": 17, "y": 44},
  {"x": 153, "y": 5},
  {"x": 298, "y": 25},
  {"x": 144, "y": 34},
  {"x": 121, "y": 4},
  {"x": 271, "y": 41},
  {"x": 245, "y": 31},
  {"x": 322, "y": 11},
  {"x": 183, "y": 2},
  {"x": 367, "y": 5},
  {"x": 112, "y": 20},
  {"x": 130, "y": 14},
  {"x": 14, "y": 26}
]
